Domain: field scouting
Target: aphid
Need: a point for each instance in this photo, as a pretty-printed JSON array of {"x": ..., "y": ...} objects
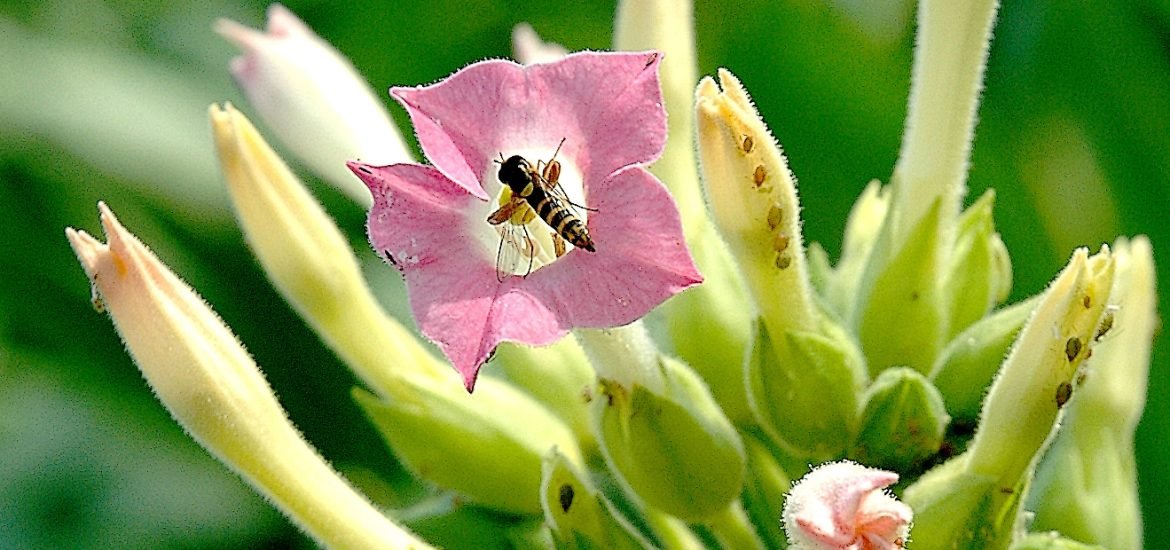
[
  {"x": 759, "y": 175},
  {"x": 1072, "y": 348},
  {"x": 565, "y": 495},
  {"x": 534, "y": 191},
  {"x": 1063, "y": 393},
  {"x": 1106, "y": 324}
]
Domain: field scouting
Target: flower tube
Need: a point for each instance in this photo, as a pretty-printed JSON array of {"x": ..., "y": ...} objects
[{"x": 211, "y": 386}]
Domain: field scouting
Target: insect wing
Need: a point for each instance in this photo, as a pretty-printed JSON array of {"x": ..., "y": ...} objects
[{"x": 515, "y": 253}]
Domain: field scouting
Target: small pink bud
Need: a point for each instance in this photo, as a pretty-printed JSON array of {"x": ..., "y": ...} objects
[{"x": 841, "y": 505}]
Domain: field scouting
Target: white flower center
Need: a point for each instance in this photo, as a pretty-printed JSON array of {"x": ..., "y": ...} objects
[{"x": 525, "y": 242}]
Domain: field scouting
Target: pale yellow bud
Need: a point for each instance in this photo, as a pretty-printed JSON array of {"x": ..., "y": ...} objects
[{"x": 211, "y": 386}]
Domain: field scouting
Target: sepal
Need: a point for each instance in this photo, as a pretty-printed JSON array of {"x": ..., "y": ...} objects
[
  {"x": 805, "y": 388},
  {"x": 673, "y": 448},
  {"x": 578, "y": 514},
  {"x": 487, "y": 446}
]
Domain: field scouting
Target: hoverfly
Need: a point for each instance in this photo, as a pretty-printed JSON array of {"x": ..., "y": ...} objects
[{"x": 534, "y": 191}]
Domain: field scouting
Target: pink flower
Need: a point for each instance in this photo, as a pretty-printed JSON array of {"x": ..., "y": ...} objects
[
  {"x": 604, "y": 110},
  {"x": 841, "y": 505}
]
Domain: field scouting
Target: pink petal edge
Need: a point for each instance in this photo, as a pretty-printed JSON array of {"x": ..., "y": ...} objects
[{"x": 606, "y": 105}]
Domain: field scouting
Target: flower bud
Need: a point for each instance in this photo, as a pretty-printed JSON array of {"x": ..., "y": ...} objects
[
  {"x": 842, "y": 505},
  {"x": 753, "y": 199},
  {"x": 211, "y": 386},
  {"x": 673, "y": 447},
  {"x": 1086, "y": 487},
  {"x": 903, "y": 422},
  {"x": 1023, "y": 404},
  {"x": 486, "y": 446},
  {"x": 578, "y": 515},
  {"x": 309, "y": 261},
  {"x": 313, "y": 98},
  {"x": 975, "y": 499}
]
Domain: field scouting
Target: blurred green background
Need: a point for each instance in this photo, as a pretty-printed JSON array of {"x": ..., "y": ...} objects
[{"x": 107, "y": 101}]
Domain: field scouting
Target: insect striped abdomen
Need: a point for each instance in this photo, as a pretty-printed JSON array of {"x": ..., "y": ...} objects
[{"x": 561, "y": 219}]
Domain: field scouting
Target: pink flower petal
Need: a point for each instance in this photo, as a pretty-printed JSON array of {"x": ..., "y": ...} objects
[
  {"x": 451, "y": 280},
  {"x": 842, "y": 506},
  {"x": 607, "y": 106}
]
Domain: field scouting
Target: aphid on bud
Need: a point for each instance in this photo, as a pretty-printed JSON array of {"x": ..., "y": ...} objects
[
  {"x": 1072, "y": 348},
  {"x": 1063, "y": 393}
]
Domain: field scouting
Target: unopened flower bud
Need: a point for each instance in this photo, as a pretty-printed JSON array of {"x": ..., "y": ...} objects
[
  {"x": 313, "y": 98},
  {"x": 903, "y": 422},
  {"x": 211, "y": 386},
  {"x": 308, "y": 259},
  {"x": 843, "y": 505},
  {"x": 1086, "y": 487}
]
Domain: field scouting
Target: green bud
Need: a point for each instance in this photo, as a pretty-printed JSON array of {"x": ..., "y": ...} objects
[
  {"x": 1086, "y": 486},
  {"x": 901, "y": 314},
  {"x": 487, "y": 446},
  {"x": 675, "y": 450},
  {"x": 558, "y": 376},
  {"x": 763, "y": 492},
  {"x": 806, "y": 388},
  {"x": 577, "y": 513},
  {"x": 980, "y": 273},
  {"x": 967, "y": 365},
  {"x": 1052, "y": 541},
  {"x": 903, "y": 422}
]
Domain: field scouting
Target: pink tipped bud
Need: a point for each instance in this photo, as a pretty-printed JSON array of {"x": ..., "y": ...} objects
[{"x": 842, "y": 505}]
